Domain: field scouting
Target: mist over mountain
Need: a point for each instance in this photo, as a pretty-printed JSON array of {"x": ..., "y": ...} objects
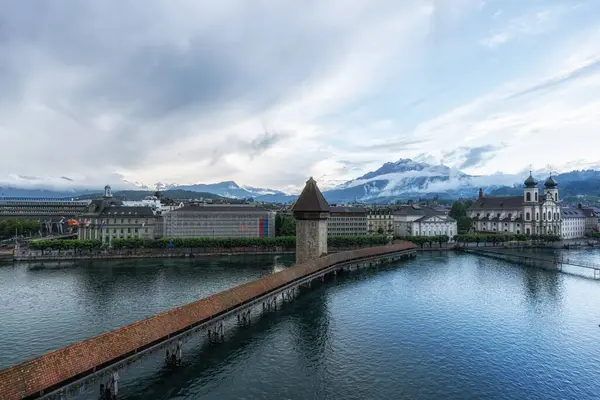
[{"x": 401, "y": 180}]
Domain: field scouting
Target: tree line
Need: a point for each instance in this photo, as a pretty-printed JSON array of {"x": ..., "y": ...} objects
[
  {"x": 8, "y": 227},
  {"x": 475, "y": 238},
  {"x": 287, "y": 242}
]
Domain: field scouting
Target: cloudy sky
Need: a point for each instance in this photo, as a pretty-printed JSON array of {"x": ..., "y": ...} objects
[{"x": 268, "y": 92}]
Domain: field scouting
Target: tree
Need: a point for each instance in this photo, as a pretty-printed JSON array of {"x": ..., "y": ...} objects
[
  {"x": 380, "y": 231},
  {"x": 458, "y": 210},
  {"x": 288, "y": 226}
]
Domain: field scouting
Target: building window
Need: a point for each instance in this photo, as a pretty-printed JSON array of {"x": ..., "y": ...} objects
[
  {"x": 536, "y": 198},
  {"x": 549, "y": 216},
  {"x": 527, "y": 216},
  {"x": 528, "y": 196},
  {"x": 555, "y": 196}
]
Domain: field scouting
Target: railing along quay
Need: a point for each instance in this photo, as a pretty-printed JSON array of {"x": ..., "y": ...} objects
[{"x": 537, "y": 261}]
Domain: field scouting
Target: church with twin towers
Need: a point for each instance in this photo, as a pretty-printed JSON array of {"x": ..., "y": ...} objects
[{"x": 532, "y": 213}]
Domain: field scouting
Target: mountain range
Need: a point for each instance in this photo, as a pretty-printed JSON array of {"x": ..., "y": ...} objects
[{"x": 401, "y": 180}]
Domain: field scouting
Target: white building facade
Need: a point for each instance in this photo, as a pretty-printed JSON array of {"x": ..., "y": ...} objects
[
  {"x": 573, "y": 223},
  {"x": 423, "y": 221}
]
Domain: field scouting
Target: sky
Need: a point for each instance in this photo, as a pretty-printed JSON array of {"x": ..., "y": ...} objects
[{"x": 270, "y": 92}]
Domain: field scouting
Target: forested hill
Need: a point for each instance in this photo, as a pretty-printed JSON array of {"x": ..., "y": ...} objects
[{"x": 133, "y": 195}]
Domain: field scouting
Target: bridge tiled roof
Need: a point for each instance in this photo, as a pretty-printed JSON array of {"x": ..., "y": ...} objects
[{"x": 53, "y": 369}]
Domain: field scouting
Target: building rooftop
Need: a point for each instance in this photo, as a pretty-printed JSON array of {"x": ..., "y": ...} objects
[
  {"x": 417, "y": 210},
  {"x": 572, "y": 213},
  {"x": 125, "y": 211},
  {"x": 349, "y": 209},
  {"x": 311, "y": 199},
  {"x": 220, "y": 208},
  {"x": 498, "y": 203}
]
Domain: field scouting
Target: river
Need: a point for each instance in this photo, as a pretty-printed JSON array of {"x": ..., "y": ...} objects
[{"x": 444, "y": 325}]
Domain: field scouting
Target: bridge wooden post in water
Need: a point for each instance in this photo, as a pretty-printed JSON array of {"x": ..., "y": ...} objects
[{"x": 74, "y": 367}]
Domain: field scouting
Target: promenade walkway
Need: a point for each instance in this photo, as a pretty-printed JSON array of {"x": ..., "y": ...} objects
[{"x": 78, "y": 362}]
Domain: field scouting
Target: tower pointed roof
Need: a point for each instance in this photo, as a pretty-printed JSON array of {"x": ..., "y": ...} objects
[
  {"x": 550, "y": 182},
  {"x": 530, "y": 182},
  {"x": 311, "y": 199}
]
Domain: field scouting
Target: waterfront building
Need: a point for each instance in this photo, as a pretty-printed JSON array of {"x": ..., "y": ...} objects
[
  {"x": 380, "y": 221},
  {"x": 591, "y": 220},
  {"x": 207, "y": 220},
  {"x": 52, "y": 213},
  {"x": 311, "y": 212},
  {"x": 530, "y": 213},
  {"x": 573, "y": 223},
  {"x": 413, "y": 220},
  {"x": 108, "y": 218},
  {"x": 155, "y": 203},
  {"x": 347, "y": 221}
]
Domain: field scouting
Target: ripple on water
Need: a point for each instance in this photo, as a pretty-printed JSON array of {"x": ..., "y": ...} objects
[{"x": 443, "y": 326}]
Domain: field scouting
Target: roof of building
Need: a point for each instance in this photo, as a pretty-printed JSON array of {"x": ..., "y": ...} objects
[
  {"x": 349, "y": 209},
  {"x": 311, "y": 199},
  {"x": 550, "y": 182},
  {"x": 588, "y": 212},
  {"x": 530, "y": 181},
  {"x": 139, "y": 211},
  {"x": 572, "y": 213},
  {"x": 445, "y": 218},
  {"x": 497, "y": 203},
  {"x": 417, "y": 210},
  {"x": 220, "y": 208}
]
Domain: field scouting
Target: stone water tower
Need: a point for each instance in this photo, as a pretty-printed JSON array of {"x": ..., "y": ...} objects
[{"x": 311, "y": 212}]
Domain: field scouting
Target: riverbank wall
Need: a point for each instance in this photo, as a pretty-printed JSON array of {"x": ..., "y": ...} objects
[{"x": 126, "y": 254}]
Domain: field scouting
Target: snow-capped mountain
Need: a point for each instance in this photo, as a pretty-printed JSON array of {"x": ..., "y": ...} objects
[
  {"x": 408, "y": 179},
  {"x": 234, "y": 191},
  {"x": 400, "y": 180}
]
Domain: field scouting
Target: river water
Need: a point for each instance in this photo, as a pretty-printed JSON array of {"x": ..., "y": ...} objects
[{"x": 451, "y": 326}]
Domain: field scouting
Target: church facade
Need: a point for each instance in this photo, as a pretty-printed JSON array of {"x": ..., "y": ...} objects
[{"x": 532, "y": 213}]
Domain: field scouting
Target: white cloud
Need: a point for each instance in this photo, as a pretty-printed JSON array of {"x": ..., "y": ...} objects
[
  {"x": 263, "y": 95},
  {"x": 534, "y": 22}
]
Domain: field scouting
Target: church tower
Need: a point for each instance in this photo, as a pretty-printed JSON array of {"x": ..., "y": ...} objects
[
  {"x": 551, "y": 186},
  {"x": 311, "y": 211},
  {"x": 530, "y": 193},
  {"x": 107, "y": 192}
]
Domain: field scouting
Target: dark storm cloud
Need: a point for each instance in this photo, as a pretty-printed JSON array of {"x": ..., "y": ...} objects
[
  {"x": 467, "y": 157},
  {"x": 251, "y": 148},
  {"x": 155, "y": 64}
]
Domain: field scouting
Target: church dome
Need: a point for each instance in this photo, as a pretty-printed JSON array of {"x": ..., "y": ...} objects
[
  {"x": 530, "y": 182},
  {"x": 550, "y": 182}
]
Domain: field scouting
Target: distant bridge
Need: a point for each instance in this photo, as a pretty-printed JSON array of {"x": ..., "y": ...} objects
[
  {"x": 547, "y": 262},
  {"x": 61, "y": 372}
]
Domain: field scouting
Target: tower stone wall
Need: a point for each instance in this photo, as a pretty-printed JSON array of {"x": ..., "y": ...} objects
[
  {"x": 311, "y": 239},
  {"x": 311, "y": 211}
]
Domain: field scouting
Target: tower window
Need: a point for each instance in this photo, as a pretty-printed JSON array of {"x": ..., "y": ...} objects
[
  {"x": 528, "y": 196},
  {"x": 527, "y": 216},
  {"x": 536, "y": 198}
]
